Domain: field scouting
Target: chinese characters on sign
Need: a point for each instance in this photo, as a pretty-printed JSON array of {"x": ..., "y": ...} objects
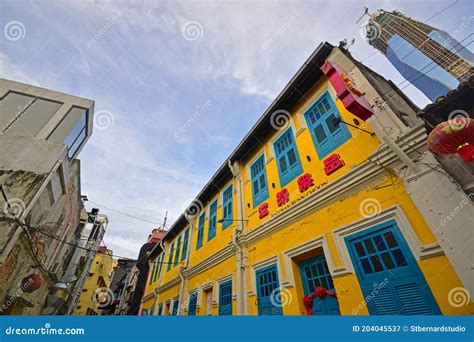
[
  {"x": 332, "y": 163},
  {"x": 305, "y": 182},
  {"x": 263, "y": 210},
  {"x": 283, "y": 197}
]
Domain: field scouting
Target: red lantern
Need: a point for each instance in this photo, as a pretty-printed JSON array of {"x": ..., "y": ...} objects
[
  {"x": 454, "y": 136},
  {"x": 31, "y": 283}
]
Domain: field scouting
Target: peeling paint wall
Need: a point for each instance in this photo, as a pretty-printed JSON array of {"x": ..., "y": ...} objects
[{"x": 43, "y": 189}]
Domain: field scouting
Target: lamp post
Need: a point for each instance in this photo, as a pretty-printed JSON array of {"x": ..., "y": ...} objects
[{"x": 231, "y": 220}]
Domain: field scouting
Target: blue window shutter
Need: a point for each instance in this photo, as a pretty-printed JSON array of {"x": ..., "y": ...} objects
[
  {"x": 259, "y": 181},
  {"x": 192, "y": 304},
  {"x": 287, "y": 158},
  {"x": 160, "y": 310},
  {"x": 200, "y": 236},
  {"x": 185, "y": 245},
  {"x": 178, "y": 249},
  {"x": 326, "y": 135},
  {"x": 170, "y": 258},
  {"x": 382, "y": 256},
  {"x": 227, "y": 207},
  {"x": 225, "y": 298},
  {"x": 161, "y": 259},
  {"x": 157, "y": 267},
  {"x": 212, "y": 221},
  {"x": 152, "y": 273}
]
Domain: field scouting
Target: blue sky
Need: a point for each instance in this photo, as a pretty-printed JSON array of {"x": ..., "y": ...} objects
[{"x": 178, "y": 84}]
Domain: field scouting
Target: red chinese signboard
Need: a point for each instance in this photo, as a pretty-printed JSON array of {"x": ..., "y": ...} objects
[
  {"x": 352, "y": 99},
  {"x": 305, "y": 182},
  {"x": 283, "y": 197},
  {"x": 332, "y": 163},
  {"x": 263, "y": 210}
]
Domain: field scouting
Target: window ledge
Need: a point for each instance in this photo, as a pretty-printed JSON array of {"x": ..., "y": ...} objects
[{"x": 301, "y": 130}]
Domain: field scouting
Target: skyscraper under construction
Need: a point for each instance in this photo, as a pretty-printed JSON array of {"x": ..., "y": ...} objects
[{"x": 429, "y": 58}]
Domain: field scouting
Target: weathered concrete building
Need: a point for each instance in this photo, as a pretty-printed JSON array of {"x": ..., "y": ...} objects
[
  {"x": 42, "y": 132},
  {"x": 43, "y": 190}
]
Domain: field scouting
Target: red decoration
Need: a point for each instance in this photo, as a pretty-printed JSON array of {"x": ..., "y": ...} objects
[
  {"x": 263, "y": 210},
  {"x": 454, "y": 136},
  {"x": 332, "y": 163},
  {"x": 467, "y": 152},
  {"x": 283, "y": 197},
  {"x": 352, "y": 99},
  {"x": 31, "y": 283},
  {"x": 320, "y": 292},
  {"x": 305, "y": 182}
]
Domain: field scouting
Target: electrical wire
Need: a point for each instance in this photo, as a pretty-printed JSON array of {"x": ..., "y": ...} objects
[
  {"x": 27, "y": 228},
  {"x": 35, "y": 229},
  {"x": 122, "y": 213},
  {"x": 31, "y": 245}
]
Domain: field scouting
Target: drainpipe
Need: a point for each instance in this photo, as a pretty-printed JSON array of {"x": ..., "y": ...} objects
[
  {"x": 181, "y": 290},
  {"x": 235, "y": 242}
]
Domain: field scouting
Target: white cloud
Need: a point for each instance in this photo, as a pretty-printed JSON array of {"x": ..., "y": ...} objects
[
  {"x": 12, "y": 71},
  {"x": 151, "y": 78}
]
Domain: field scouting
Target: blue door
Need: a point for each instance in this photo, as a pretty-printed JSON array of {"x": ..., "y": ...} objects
[
  {"x": 192, "y": 304},
  {"x": 314, "y": 273},
  {"x": 389, "y": 274},
  {"x": 327, "y": 135},
  {"x": 225, "y": 298},
  {"x": 268, "y": 289}
]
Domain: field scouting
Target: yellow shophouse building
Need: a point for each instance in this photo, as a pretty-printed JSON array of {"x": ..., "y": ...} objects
[
  {"x": 96, "y": 287},
  {"x": 330, "y": 205}
]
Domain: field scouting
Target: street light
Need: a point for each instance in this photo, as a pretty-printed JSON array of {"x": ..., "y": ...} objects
[{"x": 231, "y": 220}]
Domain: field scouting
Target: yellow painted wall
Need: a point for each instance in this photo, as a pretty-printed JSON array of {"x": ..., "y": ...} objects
[
  {"x": 222, "y": 238},
  {"x": 388, "y": 191},
  {"x": 102, "y": 266},
  {"x": 168, "y": 295},
  {"x": 224, "y": 269},
  {"x": 353, "y": 152},
  {"x": 148, "y": 304},
  {"x": 437, "y": 271}
]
